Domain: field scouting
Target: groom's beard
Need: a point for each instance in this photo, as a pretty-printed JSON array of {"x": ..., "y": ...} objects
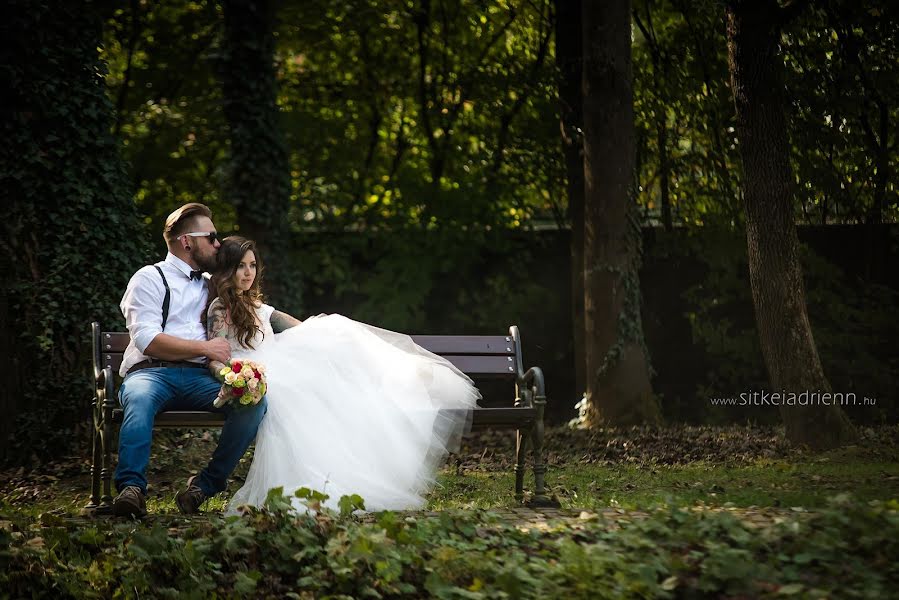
[{"x": 206, "y": 263}]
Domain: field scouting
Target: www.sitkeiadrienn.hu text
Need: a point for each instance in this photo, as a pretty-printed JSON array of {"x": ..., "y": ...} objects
[{"x": 785, "y": 398}]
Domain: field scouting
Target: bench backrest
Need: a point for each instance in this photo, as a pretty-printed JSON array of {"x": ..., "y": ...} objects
[{"x": 478, "y": 356}]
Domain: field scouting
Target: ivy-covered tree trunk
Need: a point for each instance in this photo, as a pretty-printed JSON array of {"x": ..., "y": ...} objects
[
  {"x": 618, "y": 379},
  {"x": 71, "y": 233},
  {"x": 775, "y": 273},
  {"x": 258, "y": 182},
  {"x": 569, "y": 59}
]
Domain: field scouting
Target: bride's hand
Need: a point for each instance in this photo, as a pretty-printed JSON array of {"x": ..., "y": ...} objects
[{"x": 222, "y": 397}]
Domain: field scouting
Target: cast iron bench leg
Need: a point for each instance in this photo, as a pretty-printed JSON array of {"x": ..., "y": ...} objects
[
  {"x": 106, "y": 472},
  {"x": 521, "y": 443},
  {"x": 96, "y": 459},
  {"x": 540, "y": 498}
]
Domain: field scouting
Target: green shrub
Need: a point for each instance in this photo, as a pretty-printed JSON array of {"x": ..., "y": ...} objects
[
  {"x": 848, "y": 550},
  {"x": 70, "y": 226}
]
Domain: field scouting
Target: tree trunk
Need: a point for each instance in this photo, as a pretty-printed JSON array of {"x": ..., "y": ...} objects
[
  {"x": 9, "y": 399},
  {"x": 258, "y": 183},
  {"x": 569, "y": 59},
  {"x": 775, "y": 272},
  {"x": 618, "y": 385}
]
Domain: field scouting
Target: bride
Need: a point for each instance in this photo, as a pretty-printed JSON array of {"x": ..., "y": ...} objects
[{"x": 352, "y": 409}]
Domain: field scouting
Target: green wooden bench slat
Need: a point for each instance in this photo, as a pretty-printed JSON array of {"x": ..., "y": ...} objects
[
  {"x": 473, "y": 366},
  {"x": 180, "y": 418},
  {"x": 114, "y": 341},
  {"x": 466, "y": 344},
  {"x": 482, "y": 417},
  {"x": 117, "y": 341},
  {"x": 509, "y": 417},
  {"x": 477, "y": 366}
]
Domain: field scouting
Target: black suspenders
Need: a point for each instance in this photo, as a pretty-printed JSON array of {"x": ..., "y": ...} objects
[{"x": 168, "y": 297}]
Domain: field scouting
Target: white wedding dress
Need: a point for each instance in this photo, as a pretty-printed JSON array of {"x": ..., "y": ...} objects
[{"x": 352, "y": 409}]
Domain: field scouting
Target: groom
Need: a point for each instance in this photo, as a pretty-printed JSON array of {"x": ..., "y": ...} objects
[{"x": 165, "y": 364}]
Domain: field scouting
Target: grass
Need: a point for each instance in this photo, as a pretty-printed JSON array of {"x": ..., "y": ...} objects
[
  {"x": 868, "y": 472},
  {"x": 807, "y": 482}
]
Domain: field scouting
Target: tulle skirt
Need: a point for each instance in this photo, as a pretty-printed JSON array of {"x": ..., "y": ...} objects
[{"x": 353, "y": 409}]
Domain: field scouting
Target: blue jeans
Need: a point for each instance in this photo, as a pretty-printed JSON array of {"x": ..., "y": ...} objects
[{"x": 149, "y": 391}]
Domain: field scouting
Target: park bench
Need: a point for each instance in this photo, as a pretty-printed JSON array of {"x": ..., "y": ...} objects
[{"x": 483, "y": 358}]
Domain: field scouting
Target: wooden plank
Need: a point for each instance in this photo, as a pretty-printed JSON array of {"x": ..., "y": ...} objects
[
  {"x": 114, "y": 341},
  {"x": 181, "y": 418},
  {"x": 466, "y": 344},
  {"x": 491, "y": 366},
  {"x": 488, "y": 345},
  {"x": 514, "y": 418},
  {"x": 111, "y": 359},
  {"x": 474, "y": 366},
  {"x": 481, "y": 417}
]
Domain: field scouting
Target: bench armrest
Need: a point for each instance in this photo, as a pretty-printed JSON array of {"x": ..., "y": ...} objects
[
  {"x": 534, "y": 378},
  {"x": 531, "y": 386}
]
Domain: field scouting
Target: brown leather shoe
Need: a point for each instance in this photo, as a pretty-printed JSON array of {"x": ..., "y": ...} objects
[
  {"x": 190, "y": 500},
  {"x": 130, "y": 502}
]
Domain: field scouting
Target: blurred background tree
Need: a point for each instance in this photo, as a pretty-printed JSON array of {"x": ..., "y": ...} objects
[{"x": 428, "y": 182}]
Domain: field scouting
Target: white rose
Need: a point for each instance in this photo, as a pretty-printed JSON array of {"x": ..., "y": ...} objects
[
  {"x": 230, "y": 377},
  {"x": 247, "y": 372},
  {"x": 253, "y": 384}
]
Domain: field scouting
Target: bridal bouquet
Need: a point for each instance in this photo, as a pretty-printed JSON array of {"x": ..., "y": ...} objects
[{"x": 244, "y": 383}]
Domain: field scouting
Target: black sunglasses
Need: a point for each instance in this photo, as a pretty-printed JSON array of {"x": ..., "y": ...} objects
[{"x": 212, "y": 235}]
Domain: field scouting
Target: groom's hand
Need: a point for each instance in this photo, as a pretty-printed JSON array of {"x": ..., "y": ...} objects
[{"x": 218, "y": 349}]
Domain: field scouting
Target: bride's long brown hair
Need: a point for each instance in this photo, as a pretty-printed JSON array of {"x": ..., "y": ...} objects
[{"x": 240, "y": 307}]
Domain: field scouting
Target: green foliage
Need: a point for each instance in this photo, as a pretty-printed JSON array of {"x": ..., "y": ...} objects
[
  {"x": 842, "y": 57},
  {"x": 400, "y": 114},
  {"x": 723, "y": 323},
  {"x": 851, "y": 319},
  {"x": 71, "y": 229},
  {"x": 394, "y": 114},
  {"x": 684, "y": 114},
  {"x": 849, "y": 549},
  {"x": 854, "y": 323},
  {"x": 397, "y": 114},
  {"x": 162, "y": 80},
  {"x": 412, "y": 281},
  {"x": 840, "y": 60}
]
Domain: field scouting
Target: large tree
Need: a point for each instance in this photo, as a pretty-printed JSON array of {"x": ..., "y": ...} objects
[
  {"x": 258, "y": 182},
  {"x": 618, "y": 372},
  {"x": 775, "y": 273},
  {"x": 569, "y": 59}
]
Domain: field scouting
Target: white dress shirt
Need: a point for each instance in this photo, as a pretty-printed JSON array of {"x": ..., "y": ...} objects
[{"x": 142, "y": 307}]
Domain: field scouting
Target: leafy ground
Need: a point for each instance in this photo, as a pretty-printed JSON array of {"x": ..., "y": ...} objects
[{"x": 679, "y": 512}]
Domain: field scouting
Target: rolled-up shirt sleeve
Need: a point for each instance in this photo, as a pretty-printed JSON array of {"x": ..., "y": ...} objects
[{"x": 142, "y": 307}]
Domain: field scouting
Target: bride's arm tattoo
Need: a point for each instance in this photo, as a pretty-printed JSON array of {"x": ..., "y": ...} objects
[
  {"x": 281, "y": 321},
  {"x": 217, "y": 326}
]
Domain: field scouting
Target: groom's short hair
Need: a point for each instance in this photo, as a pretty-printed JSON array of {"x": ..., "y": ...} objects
[{"x": 183, "y": 219}]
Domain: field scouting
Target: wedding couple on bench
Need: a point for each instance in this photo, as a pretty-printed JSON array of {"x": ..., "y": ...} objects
[{"x": 339, "y": 406}]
